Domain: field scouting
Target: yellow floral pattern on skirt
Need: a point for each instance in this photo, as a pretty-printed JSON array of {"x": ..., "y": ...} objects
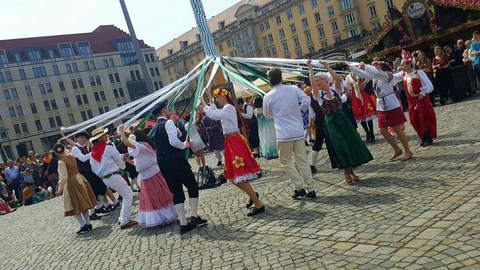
[{"x": 238, "y": 162}]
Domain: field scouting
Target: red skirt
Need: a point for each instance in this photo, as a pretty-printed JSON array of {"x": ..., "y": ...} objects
[
  {"x": 363, "y": 111},
  {"x": 240, "y": 165},
  {"x": 422, "y": 117},
  {"x": 391, "y": 118}
]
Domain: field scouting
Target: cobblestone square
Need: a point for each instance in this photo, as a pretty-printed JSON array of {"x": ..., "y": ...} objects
[{"x": 419, "y": 214}]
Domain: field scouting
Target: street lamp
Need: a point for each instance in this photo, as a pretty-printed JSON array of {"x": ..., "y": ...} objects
[{"x": 5, "y": 131}]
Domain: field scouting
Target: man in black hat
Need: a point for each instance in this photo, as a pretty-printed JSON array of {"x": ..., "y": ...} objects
[
  {"x": 81, "y": 151},
  {"x": 175, "y": 168}
]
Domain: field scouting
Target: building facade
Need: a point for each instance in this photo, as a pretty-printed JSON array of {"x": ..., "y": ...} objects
[
  {"x": 54, "y": 81},
  {"x": 278, "y": 28}
]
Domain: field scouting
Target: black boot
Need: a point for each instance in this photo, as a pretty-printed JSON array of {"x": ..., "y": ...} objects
[
  {"x": 372, "y": 137},
  {"x": 250, "y": 202}
]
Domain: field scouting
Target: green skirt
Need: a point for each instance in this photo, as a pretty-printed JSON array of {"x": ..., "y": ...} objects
[{"x": 347, "y": 149}]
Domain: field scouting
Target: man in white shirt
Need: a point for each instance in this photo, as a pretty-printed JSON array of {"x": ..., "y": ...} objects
[
  {"x": 106, "y": 162},
  {"x": 285, "y": 104},
  {"x": 176, "y": 170}
]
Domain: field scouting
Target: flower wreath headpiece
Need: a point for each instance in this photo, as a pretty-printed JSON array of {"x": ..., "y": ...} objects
[{"x": 221, "y": 92}]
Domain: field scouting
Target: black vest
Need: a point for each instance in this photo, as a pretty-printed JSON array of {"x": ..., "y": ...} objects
[
  {"x": 165, "y": 151},
  {"x": 83, "y": 166},
  {"x": 250, "y": 122}
]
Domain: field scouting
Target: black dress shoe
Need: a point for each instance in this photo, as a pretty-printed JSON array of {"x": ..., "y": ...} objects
[
  {"x": 85, "y": 228},
  {"x": 89, "y": 227},
  {"x": 311, "y": 194},
  {"x": 299, "y": 193},
  {"x": 95, "y": 217},
  {"x": 219, "y": 164},
  {"x": 198, "y": 221},
  {"x": 256, "y": 211},
  {"x": 256, "y": 155},
  {"x": 102, "y": 210},
  {"x": 187, "y": 228},
  {"x": 423, "y": 142},
  {"x": 250, "y": 202},
  {"x": 428, "y": 141},
  {"x": 313, "y": 169}
]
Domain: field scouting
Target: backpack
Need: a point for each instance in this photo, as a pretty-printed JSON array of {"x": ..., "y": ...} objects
[{"x": 206, "y": 178}]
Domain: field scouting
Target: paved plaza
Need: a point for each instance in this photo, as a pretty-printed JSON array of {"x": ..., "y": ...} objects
[{"x": 420, "y": 214}]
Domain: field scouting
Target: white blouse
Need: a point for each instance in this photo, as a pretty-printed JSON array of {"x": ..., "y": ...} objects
[
  {"x": 145, "y": 160},
  {"x": 227, "y": 115},
  {"x": 386, "y": 98},
  {"x": 332, "y": 90},
  {"x": 427, "y": 86}
]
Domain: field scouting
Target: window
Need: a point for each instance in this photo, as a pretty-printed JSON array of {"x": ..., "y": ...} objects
[
  {"x": 106, "y": 109},
  {"x": 19, "y": 110},
  {"x": 89, "y": 113},
  {"x": 308, "y": 37},
  {"x": 296, "y": 42},
  {"x": 112, "y": 80},
  {"x": 8, "y": 76},
  {"x": 330, "y": 11},
  {"x": 16, "y": 57},
  {"x": 85, "y": 98},
  {"x": 138, "y": 74},
  {"x": 51, "y": 53},
  {"x": 61, "y": 85},
  {"x": 301, "y": 9},
  {"x": 56, "y": 71},
  {"x": 68, "y": 67},
  {"x": 324, "y": 45},
  {"x": 349, "y": 19},
  {"x": 74, "y": 67},
  {"x": 127, "y": 51},
  {"x": 100, "y": 110},
  {"x": 102, "y": 95},
  {"x": 317, "y": 17},
  {"x": 39, "y": 125},
  {"x": 270, "y": 38},
  {"x": 54, "y": 104},
  {"x": 84, "y": 49},
  {"x": 157, "y": 71},
  {"x": 3, "y": 59},
  {"x": 14, "y": 93},
  {"x": 152, "y": 58},
  {"x": 353, "y": 33},
  {"x": 46, "y": 104},
  {"x": 376, "y": 25},
  {"x": 33, "y": 56},
  {"x": 314, "y": 3},
  {"x": 25, "y": 128},
  {"x": 41, "y": 88},
  {"x": 97, "y": 98},
  {"x": 48, "y": 88},
  {"x": 2, "y": 79},
  {"x": 115, "y": 93},
  {"x": 299, "y": 54},
  {"x": 84, "y": 116},
  {"x": 80, "y": 83},
  {"x": 293, "y": 29},
  {"x": 17, "y": 129},
  {"x": 373, "y": 11},
  {"x": 117, "y": 78},
  {"x": 74, "y": 84},
  {"x": 345, "y": 4},
  {"x": 338, "y": 39},
  {"x": 71, "y": 118},
  {"x": 220, "y": 48},
  {"x": 281, "y": 33},
  {"x": 334, "y": 26},
  {"x": 389, "y": 3},
  {"x": 305, "y": 23},
  {"x": 66, "y": 51},
  {"x": 59, "y": 120},
  {"x": 67, "y": 102},
  {"x": 289, "y": 14},
  {"x": 267, "y": 25},
  {"x": 120, "y": 91},
  {"x": 285, "y": 47},
  {"x": 155, "y": 84},
  {"x": 28, "y": 91},
  {"x": 278, "y": 20},
  {"x": 23, "y": 76},
  {"x": 39, "y": 72},
  {"x": 79, "y": 100},
  {"x": 311, "y": 50},
  {"x": 6, "y": 94},
  {"x": 52, "y": 122},
  {"x": 92, "y": 81},
  {"x": 11, "y": 111},
  {"x": 97, "y": 79}
]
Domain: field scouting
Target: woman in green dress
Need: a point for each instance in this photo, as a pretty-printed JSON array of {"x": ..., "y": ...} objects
[
  {"x": 344, "y": 145},
  {"x": 266, "y": 131}
]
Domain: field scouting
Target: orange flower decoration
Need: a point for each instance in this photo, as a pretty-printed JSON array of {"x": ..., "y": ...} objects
[{"x": 238, "y": 162}]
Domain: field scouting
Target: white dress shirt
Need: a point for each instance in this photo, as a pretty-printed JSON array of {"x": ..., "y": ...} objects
[
  {"x": 77, "y": 153},
  {"x": 427, "y": 86},
  {"x": 248, "y": 112},
  {"x": 173, "y": 134},
  {"x": 227, "y": 115},
  {"x": 383, "y": 86},
  {"x": 111, "y": 162},
  {"x": 286, "y": 104}
]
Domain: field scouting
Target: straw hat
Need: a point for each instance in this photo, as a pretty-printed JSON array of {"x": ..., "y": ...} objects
[{"x": 97, "y": 133}]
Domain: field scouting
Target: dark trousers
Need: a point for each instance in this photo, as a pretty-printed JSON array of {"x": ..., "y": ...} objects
[
  {"x": 15, "y": 186},
  {"x": 319, "y": 133},
  {"x": 178, "y": 173}
]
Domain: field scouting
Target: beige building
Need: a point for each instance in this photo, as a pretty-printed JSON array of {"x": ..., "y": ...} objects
[
  {"x": 279, "y": 28},
  {"x": 54, "y": 81}
]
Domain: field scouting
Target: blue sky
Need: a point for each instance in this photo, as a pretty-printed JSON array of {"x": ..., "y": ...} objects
[{"x": 155, "y": 21}]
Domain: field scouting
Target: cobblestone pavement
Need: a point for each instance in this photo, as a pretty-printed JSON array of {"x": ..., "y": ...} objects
[{"x": 420, "y": 214}]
